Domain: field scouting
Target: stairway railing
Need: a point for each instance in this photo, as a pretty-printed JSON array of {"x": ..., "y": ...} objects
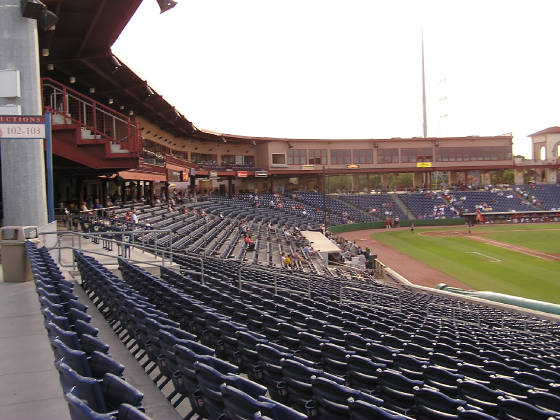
[{"x": 69, "y": 106}]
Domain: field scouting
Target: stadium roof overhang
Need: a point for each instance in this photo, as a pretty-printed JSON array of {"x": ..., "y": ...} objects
[{"x": 80, "y": 47}]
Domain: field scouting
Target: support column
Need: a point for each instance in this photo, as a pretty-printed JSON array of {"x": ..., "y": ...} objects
[
  {"x": 23, "y": 162},
  {"x": 384, "y": 181},
  {"x": 103, "y": 197},
  {"x": 151, "y": 191},
  {"x": 551, "y": 175},
  {"x": 518, "y": 176}
]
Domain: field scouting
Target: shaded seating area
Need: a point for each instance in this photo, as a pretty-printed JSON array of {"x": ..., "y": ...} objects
[{"x": 91, "y": 380}]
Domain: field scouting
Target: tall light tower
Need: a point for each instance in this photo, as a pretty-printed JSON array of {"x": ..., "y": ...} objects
[{"x": 424, "y": 112}]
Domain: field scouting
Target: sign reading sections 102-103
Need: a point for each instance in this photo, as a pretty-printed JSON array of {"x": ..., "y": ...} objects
[{"x": 22, "y": 127}]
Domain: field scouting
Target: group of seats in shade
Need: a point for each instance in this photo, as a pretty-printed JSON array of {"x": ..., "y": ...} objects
[
  {"x": 218, "y": 235},
  {"x": 493, "y": 200},
  {"x": 159, "y": 342},
  {"x": 547, "y": 194},
  {"x": 320, "y": 369},
  {"x": 335, "y": 206},
  {"x": 381, "y": 205},
  {"x": 428, "y": 206},
  {"x": 91, "y": 380}
]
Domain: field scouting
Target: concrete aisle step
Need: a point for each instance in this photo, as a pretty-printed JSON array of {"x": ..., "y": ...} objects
[
  {"x": 154, "y": 401},
  {"x": 29, "y": 382}
]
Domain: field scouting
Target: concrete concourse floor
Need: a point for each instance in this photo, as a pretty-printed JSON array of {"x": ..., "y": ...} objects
[
  {"x": 29, "y": 382},
  {"x": 29, "y": 385}
]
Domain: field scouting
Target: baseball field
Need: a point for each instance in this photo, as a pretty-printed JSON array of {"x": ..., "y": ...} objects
[{"x": 521, "y": 260}]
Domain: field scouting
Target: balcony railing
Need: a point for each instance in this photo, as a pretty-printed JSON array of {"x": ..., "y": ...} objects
[
  {"x": 534, "y": 162},
  {"x": 103, "y": 123},
  {"x": 169, "y": 158}
]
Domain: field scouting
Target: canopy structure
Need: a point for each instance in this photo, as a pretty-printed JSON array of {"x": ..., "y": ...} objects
[{"x": 319, "y": 242}]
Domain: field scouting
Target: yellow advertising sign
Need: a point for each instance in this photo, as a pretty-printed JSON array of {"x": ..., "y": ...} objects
[
  {"x": 352, "y": 166},
  {"x": 424, "y": 164}
]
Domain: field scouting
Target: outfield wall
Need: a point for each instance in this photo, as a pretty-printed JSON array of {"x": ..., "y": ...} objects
[{"x": 403, "y": 223}]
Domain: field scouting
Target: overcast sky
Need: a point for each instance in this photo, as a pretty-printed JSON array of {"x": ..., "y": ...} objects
[{"x": 352, "y": 68}]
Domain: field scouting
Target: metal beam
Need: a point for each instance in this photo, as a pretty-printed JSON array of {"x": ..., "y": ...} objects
[
  {"x": 113, "y": 82},
  {"x": 92, "y": 25}
]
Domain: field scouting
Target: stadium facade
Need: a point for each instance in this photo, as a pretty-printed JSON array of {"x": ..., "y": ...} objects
[{"x": 114, "y": 135}]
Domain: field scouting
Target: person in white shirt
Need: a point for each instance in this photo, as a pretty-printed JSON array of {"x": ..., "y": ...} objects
[{"x": 134, "y": 217}]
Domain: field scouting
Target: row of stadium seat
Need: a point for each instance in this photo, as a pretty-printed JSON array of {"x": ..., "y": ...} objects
[
  {"x": 91, "y": 380},
  {"x": 210, "y": 326}
]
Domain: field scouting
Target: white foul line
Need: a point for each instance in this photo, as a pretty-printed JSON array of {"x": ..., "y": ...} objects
[{"x": 484, "y": 255}]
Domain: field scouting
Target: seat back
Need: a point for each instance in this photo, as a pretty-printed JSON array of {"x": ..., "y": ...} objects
[
  {"x": 88, "y": 388},
  {"x": 79, "y": 410},
  {"x": 70, "y": 338},
  {"x": 362, "y": 373},
  {"x": 479, "y": 396},
  {"x": 361, "y": 410},
  {"x": 209, "y": 382},
  {"x": 75, "y": 359},
  {"x": 431, "y": 404},
  {"x": 237, "y": 404},
  {"x": 397, "y": 391},
  {"x": 129, "y": 412},
  {"x": 544, "y": 401},
  {"x": 513, "y": 409},
  {"x": 117, "y": 391},
  {"x": 297, "y": 378},
  {"x": 330, "y": 399}
]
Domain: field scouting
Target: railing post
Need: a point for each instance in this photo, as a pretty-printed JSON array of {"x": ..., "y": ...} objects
[
  {"x": 59, "y": 250},
  {"x": 73, "y": 246},
  {"x": 202, "y": 270},
  {"x": 114, "y": 128},
  {"x": 64, "y": 101},
  {"x": 171, "y": 247},
  {"x": 94, "y": 115},
  {"x": 275, "y": 284}
]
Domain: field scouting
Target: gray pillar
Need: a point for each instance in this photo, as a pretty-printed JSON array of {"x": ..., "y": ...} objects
[{"x": 23, "y": 163}]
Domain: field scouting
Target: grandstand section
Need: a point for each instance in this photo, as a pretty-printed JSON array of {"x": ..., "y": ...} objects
[{"x": 206, "y": 264}]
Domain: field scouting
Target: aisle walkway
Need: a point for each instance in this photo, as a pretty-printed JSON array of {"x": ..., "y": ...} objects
[{"x": 29, "y": 383}]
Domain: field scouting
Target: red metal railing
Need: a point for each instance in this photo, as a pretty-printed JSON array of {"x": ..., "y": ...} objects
[
  {"x": 169, "y": 158},
  {"x": 105, "y": 124}
]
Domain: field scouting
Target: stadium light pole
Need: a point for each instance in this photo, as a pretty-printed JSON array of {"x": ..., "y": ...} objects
[{"x": 324, "y": 198}]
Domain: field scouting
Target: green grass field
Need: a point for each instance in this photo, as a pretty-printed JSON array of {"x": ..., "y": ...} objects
[{"x": 488, "y": 267}]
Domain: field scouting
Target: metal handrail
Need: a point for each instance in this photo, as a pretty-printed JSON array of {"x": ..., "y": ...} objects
[
  {"x": 371, "y": 293},
  {"x": 104, "y": 122},
  {"x": 133, "y": 244}
]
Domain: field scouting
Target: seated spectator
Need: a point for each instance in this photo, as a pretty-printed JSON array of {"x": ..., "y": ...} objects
[
  {"x": 134, "y": 217},
  {"x": 296, "y": 256},
  {"x": 249, "y": 242},
  {"x": 287, "y": 261}
]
